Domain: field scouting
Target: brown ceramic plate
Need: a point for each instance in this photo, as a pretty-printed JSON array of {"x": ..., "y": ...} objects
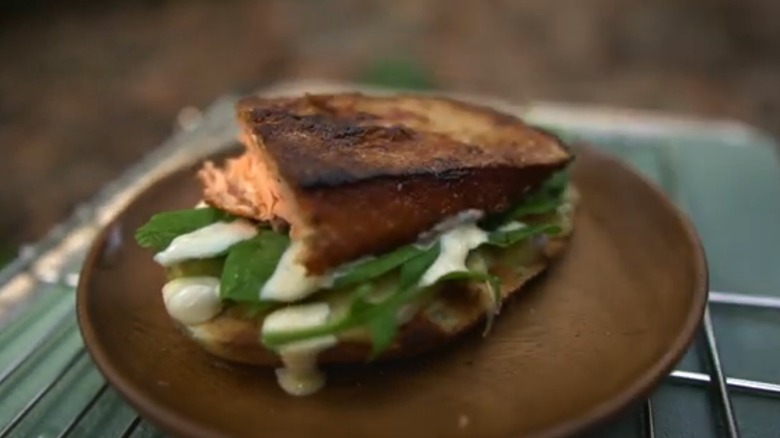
[{"x": 595, "y": 333}]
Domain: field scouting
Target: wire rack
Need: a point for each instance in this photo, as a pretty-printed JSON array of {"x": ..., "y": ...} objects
[{"x": 50, "y": 388}]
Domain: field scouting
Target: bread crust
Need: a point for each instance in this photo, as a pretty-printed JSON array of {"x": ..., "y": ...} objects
[{"x": 400, "y": 163}]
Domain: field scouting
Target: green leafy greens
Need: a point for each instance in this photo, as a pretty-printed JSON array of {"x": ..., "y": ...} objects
[
  {"x": 375, "y": 267},
  {"x": 162, "y": 228},
  {"x": 248, "y": 265},
  {"x": 542, "y": 201},
  {"x": 507, "y": 238},
  {"x": 380, "y": 318}
]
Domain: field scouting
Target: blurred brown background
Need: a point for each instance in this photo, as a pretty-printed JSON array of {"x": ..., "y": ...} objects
[{"x": 86, "y": 87}]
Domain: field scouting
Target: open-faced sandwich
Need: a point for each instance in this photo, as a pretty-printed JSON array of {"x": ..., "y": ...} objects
[{"x": 356, "y": 228}]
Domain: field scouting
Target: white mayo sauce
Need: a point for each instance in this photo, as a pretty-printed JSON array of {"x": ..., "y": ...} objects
[
  {"x": 192, "y": 300},
  {"x": 450, "y": 223},
  {"x": 290, "y": 280},
  {"x": 300, "y": 375},
  {"x": 511, "y": 226},
  {"x": 455, "y": 245},
  {"x": 206, "y": 242}
]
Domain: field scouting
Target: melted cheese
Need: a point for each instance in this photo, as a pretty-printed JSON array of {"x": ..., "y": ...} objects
[
  {"x": 290, "y": 280},
  {"x": 192, "y": 300},
  {"x": 455, "y": 246},
  {"x": 206, "y": 242},
  {"x": 300, "y": 375}
]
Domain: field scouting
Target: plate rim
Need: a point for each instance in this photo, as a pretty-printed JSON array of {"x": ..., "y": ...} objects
[{"x": 170, "y": 421}]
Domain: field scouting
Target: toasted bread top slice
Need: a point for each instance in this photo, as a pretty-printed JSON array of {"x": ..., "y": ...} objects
[
  {"x": 320, "y": 141},
  {"x": 356, "y": 175}
]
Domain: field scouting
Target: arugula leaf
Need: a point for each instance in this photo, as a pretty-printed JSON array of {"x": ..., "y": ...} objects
[
  {"x": 466, "y": 275},
  {"x": 542, "y": 201},
  {"x": 413, "y": 270},
  {"x": 554, "y": 186},
  {"x": 250, "y": 264},
  {"x": 162, "y": 228},
  {"x": 383, "y": 328},
  {"x": 504, "y": 239},
  {"x": 380, "y": 318},
  {"x": 376, "y": 267},
  {"x": 533, "y": 206},
  {"x": 383, "y": 324}
]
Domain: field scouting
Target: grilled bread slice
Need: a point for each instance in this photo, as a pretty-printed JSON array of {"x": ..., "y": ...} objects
[
  {"x": 353, "y": 175},
  {"x": 454, "y": 310}
]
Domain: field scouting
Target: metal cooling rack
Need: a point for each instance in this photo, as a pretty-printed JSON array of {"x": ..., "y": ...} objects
[{"x": 49, "y": 387}]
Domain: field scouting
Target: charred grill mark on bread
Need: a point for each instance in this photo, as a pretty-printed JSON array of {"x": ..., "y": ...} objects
[{"x": 400, "y": 164}]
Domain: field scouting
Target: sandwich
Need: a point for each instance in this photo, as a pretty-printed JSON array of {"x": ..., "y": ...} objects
[{"x": 357, "y": 228}]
